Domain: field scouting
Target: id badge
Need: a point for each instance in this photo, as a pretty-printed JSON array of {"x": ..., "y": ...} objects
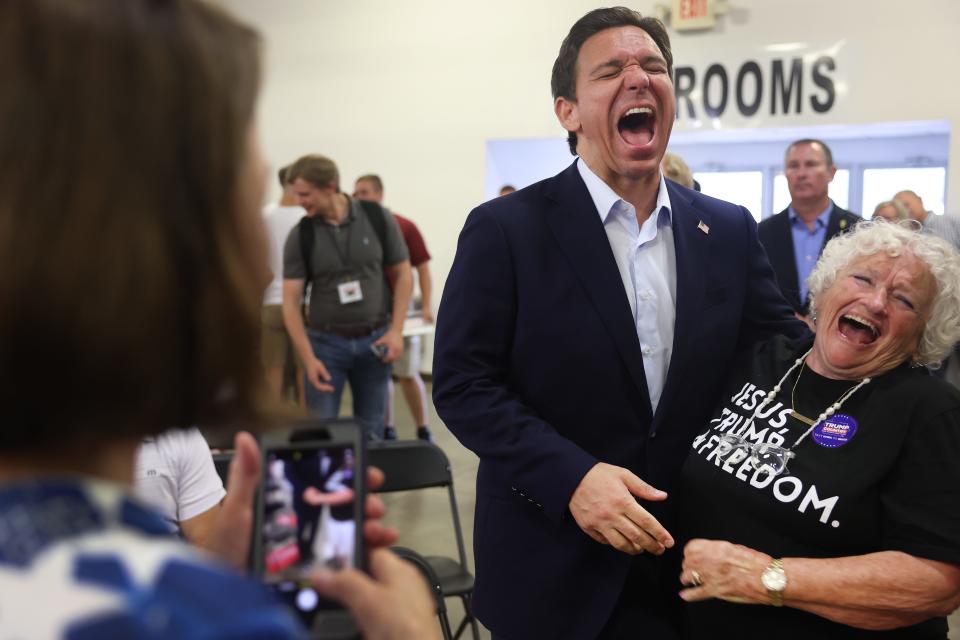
[{"x": 350, "y": 292}]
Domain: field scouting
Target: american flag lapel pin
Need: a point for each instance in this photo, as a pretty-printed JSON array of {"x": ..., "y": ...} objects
[{"x": 703, "y": 227}]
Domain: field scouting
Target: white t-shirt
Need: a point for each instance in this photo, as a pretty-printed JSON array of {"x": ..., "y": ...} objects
[
  {"x": 279, "y": 221},
  {"x": 174, "y": 474}
]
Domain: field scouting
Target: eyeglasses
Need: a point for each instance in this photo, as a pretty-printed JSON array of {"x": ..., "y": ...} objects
[{"x": 762, "y": 455}]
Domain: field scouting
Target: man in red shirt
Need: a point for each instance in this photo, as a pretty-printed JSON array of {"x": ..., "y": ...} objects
[{"x": 407, "y": 367}]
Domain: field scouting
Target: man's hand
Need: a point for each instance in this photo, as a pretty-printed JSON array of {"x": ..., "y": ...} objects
[
  {"x": 724, "y": 570},
  {"x": 374, "y": 532},
  {"x": 230, "y": 536},
  {"x": 605, "y": 508},
  {"x": 318, "y": 375},
  {"x": 317, "y": 498},
  {"x": 392, "y": 603},
  {"x": 393, "y": 339}
]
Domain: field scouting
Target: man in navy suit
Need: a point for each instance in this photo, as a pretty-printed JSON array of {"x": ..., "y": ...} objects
[
  {"x": 584, "y": 332},
  {"x": 795, "y": 237}
]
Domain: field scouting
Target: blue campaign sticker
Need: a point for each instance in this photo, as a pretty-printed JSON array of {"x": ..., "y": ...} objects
[{"x": 835, "y": 431}]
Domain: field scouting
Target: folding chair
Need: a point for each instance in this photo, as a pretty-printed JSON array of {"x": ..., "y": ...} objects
[
  {"x": 433, "y": 582},
  {"x": 221, "y": 462},
  {"x": 417, "y": 464}
]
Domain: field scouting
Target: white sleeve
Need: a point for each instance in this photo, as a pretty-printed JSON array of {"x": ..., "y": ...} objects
[
  {"x": 199, "y": 487},
  {"x": 155, "y": 482}
]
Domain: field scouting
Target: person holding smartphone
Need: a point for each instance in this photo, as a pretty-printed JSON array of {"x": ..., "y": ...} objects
[{"x": 134, "y": 275}]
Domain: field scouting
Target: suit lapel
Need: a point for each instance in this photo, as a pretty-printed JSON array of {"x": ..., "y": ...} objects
[
  {"x": 579, "y": 231},
  {"x": 692, "y": 242},
  {"x": 833, "y": 225}
]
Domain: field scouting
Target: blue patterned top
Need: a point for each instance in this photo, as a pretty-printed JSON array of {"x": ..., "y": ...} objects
[{"x": 81, "y": 560}]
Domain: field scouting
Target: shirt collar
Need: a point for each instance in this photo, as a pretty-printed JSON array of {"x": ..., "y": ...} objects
[
  {"x": 352, "y": 206},
  {"x": 606, "y": 199},
  {"x": 822, "y": 219}
]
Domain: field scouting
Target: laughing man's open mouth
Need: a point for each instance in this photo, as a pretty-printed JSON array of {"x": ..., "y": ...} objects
[
  {"x": 858, "y": 330},
  {"x": 636, "y": 126}
]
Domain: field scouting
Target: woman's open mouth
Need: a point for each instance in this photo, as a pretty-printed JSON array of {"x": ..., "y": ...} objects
[{"x": 857, "y": 330}]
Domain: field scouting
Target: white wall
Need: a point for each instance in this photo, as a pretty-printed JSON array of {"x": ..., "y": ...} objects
[{"x": 414, "y": 89}]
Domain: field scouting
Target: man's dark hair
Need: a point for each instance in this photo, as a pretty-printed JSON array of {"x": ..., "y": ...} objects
[
  {"x": 563, "y": 81},
  {"x": 373, "y": 179},
  {"x": 827, "y": 154},
  {"x": 282, "y": 176},
  {"x": 320, "y": 171}
]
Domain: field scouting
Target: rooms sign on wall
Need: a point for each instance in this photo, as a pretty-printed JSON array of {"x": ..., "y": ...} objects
[{"x": 760, "y": 89}]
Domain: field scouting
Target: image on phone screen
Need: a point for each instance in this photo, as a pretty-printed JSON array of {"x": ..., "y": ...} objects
[{"x": 309, "y": 512}]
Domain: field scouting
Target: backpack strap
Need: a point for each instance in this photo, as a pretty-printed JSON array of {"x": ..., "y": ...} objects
[
  {"x": 375, "y": 214},
  {"x": 305, "y": 229}
]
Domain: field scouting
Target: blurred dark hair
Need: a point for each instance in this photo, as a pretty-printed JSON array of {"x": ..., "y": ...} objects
[
  {"x": 563, "y": 81},
  {"x": 128, "y": 295},
  {"x": 282, "y": 176},
  {"x": 318, "y": 170}
]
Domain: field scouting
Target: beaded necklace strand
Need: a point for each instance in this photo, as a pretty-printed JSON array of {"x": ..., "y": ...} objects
[{"x": 829, "y": 411}]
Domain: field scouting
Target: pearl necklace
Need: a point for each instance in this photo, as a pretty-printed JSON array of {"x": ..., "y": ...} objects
[{"x": 829, "y": 411}]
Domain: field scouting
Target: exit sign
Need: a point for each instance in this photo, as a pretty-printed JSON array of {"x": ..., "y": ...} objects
[{"x": 693, "y": 14}]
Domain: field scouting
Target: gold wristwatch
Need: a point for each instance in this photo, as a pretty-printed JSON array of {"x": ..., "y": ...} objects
[{"x": 774, "y": 580}]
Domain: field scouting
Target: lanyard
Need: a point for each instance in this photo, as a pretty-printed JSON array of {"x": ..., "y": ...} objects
[{"x": 344, "y": 257}]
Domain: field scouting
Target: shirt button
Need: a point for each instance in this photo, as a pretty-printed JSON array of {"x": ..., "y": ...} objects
[{"x": 647, "y": 350}]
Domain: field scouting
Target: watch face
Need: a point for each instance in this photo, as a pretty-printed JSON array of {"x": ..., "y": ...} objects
[{"x": 774, "y": 579}]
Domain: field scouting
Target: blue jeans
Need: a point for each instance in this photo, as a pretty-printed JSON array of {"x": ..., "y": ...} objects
[{"x": 350, "y": 359}]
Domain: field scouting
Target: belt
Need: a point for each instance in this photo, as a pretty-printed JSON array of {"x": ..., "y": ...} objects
[{"x": 351, "y": 330}]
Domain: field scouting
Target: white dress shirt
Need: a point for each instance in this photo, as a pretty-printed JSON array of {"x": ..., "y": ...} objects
[{"x": 647, "y": 260}]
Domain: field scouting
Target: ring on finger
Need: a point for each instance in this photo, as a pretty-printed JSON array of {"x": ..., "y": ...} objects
[{"x": 696, "y": 578}]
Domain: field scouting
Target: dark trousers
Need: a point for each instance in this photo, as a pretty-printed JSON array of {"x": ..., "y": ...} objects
[{"x": 648, "y": 607}]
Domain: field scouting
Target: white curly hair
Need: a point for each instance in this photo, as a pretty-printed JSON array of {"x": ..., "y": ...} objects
[{"x": 942, "y": 330}]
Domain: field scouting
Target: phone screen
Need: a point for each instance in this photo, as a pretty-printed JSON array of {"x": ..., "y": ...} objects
[{"x": 310, "y": 517}]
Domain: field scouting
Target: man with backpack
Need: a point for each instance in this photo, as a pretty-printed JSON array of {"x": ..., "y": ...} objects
[{"x": 351, "y": 254}]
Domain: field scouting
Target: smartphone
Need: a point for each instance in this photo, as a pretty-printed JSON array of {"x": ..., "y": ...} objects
[{"x": 309, "y": 511}]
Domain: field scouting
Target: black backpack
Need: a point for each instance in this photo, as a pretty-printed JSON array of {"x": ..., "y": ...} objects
[{"x": 375, "y": 213}]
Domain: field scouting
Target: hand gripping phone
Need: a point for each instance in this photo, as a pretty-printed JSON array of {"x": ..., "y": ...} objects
[{"x": 309, "y": 510}]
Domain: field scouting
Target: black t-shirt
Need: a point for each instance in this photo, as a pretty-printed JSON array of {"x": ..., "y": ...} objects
[{"x": 883, "y": 474}]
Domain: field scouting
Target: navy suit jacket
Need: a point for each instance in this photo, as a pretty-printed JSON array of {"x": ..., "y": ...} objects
[
  {"x": 538, "y": 370},
  {"x": 777, "y": 240}
]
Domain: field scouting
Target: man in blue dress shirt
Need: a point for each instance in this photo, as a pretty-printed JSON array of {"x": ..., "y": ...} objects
[{"x": 795, "y": 237}]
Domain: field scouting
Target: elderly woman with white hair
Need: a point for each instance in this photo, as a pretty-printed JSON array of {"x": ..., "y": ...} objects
[{"x": 827, "y": 486}]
